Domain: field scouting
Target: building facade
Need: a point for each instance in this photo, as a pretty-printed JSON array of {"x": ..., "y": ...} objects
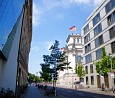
[
  {"x": 16, "y": 33},
  {"x": 74, "y": 54},
  {"x": 98, "y": 32}
]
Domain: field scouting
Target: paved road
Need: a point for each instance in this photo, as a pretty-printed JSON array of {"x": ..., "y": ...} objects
[{"x": 70, "y": 93}]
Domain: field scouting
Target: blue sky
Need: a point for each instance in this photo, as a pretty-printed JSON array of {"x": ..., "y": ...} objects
[{"x": 51, "y": 21}]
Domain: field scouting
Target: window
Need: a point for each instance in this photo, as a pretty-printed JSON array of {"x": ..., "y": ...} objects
[
  {"x": 98, "y": 53},
  {"x": 86, "y": 28},
  {"x": 113, "y": 47},
  {"x": 78, "y": 40},
  {"x": 91, "y": 68},
  {"x": 112, "y": 32},
  {"x": 98, "y": 30},
  {"x": 86, "y": 38},
  {"x": 88, "y": 58},
  {"x": 86, "y": 69},
  {"x": 110, "y": 6},
  {"x": 79, "y": 58},
  {"x": 98, "y": 41},
  {"x": 111, "y": 18},
  {"x": 87, "y": 48},
  {"x": 92, "y": 80},
  {"x": 96, "y": 19},
  {"x": 87, "y": 81}
]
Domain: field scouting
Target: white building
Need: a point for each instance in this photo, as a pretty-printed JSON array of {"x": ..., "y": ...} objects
[
  {"x": 98, "y": 32},
  {"x": 74, "y": 54}
]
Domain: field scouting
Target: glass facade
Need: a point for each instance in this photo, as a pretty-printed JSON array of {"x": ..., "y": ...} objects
[
  {"x": 110, "y": 5},
  {"x": 86, "y": 28},
  {"x": 112, "y": 32},
  {"x": 86, "y": 38},
  {"x": 98, "y": 53},
  {"x": 98, "y": 41},
  {"x": 9, "y": 13},
  {"x": 97, "y": 30},
  {"x": 88, "y": 48},
  {"x": 96, "y": 19},
  {"x": 79, "y": 58},
  {"x": 88, "y": 58},
  {"x": 111, "y": 18},
  {"x": 113, "y": 47}
]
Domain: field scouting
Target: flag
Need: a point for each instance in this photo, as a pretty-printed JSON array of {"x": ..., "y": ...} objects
[
  {"x": 73, "y": 28},
  {"x": 62, "y": 48}
]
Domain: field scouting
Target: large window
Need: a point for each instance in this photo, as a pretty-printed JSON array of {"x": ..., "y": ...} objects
[
  {"x": 97, "y": 30},
  {"x": 112, "y": 32},
  {"x": 91, "y": 68},
  {"x": 88, "y": 58},
  {"x": 86, "y": 28},
  {"x": 86, "y": 38},
  {"x": 113, "y": 47},
  {"x": 87, "y": 81},
  {"x": 86, "y": 69},
  {"x": 92, "y": 80},
  {"x": 110, "y": 5},
  {"x": 96, "y": 19},
  {"x": 87, "y": 48},
  {"x": 98, "y": 53},
  {"x": 98, "y": 41},
  {"x": 111, "y": 18},
  {"x": 79, "y": 58}
]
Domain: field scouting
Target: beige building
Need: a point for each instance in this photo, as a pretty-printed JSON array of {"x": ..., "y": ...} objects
[
  {"x": 74, "y": 54},
  {"x": 98, "y": 32}
]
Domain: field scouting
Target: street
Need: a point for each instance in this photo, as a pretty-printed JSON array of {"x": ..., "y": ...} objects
[{"x": 70, "y": 93}]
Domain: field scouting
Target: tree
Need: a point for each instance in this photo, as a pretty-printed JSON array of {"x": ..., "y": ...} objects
[
  {"x": 33, "y": 78},
  {"x": 46, "y": 73},
  {"x": 79, "y": 70},
  {"x": 62, "y": 63},
  {"x": 103, "y": 66}
]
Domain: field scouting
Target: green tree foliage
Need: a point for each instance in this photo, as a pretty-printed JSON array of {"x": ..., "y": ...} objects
[
  {"x": 79, "y": 70},
  {"x": 62, "y": 62},
  {"x": 33, "y": 78},
  {"x": 103, "y": 66},
  {"x": 46, "y": 72}
]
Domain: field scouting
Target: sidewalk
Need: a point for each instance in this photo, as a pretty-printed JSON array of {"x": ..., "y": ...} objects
[
  {"x": 33, "y": 92},
  {"x": 97, "y": 90}
]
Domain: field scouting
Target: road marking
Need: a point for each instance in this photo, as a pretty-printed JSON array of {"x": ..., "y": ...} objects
[{"x": 96, "y": 97}]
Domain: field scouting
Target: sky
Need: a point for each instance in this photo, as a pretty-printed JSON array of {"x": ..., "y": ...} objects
[{"x": 52, "y": 20}]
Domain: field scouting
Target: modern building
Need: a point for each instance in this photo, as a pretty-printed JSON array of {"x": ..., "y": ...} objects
[
  {"x": 15, "y": 40},
  {"x": 98, "y": 32},
  {"x": 74, "y": 54}
]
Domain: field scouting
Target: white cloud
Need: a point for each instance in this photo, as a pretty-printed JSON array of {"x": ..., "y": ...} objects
[
  {"x": 37, "y": 13},
  {"x": 47, "y": 5},
  {"x": 97, "y": 2}
]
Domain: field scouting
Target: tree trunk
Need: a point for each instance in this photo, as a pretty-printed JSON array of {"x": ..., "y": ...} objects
[{"x": 106, "y": 81}]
